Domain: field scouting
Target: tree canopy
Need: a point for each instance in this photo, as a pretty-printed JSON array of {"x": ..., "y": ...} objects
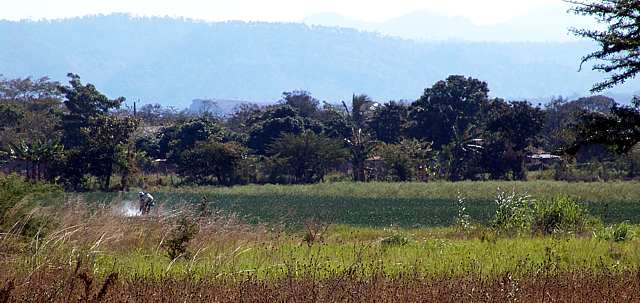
[
  {"x": 81, "y": 138},
  {"x": 619, "y": 54}
]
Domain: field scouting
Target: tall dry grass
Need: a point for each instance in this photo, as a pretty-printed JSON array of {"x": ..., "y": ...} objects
[
  {"x": 87, "y": 233},
  {"x": 77, "y": 286}
]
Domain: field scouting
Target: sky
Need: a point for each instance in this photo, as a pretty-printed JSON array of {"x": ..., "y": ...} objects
[{"x": 480, "y": 12}]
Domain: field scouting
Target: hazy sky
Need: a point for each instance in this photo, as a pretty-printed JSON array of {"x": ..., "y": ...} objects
[{"x": 479, "y": 11}]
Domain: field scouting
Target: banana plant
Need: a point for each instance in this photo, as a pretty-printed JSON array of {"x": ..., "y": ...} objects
[
  {"x": 36, "y": 155},
  {"x": 465, "y": 148}
]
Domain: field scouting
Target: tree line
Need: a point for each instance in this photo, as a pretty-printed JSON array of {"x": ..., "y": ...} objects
[{"x": 71, "y": 134}]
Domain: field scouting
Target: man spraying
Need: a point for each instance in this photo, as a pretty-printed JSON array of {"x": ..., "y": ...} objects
[{"x": 146, "y": 202}]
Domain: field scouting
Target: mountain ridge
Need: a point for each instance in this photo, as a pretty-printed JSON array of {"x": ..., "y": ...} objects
[
  {"x": 173, "y": 61},
  {"x": 419, "y": 25}
]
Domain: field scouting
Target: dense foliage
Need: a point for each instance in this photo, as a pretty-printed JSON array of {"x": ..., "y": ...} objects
[{"x": 79, "y": 138}]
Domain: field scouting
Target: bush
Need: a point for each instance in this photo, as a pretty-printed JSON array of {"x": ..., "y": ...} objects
[
  {"x": 17, "y": 204},
  {"x": 184, "y": 232},
  {"x": 618, "y": 233},
  {"x": 513, "y": 212},
  {"x": 560, "y": 215},
  {"x": 518, "y": 213},
  {"x": 621, "y": 232},
  {"x": 395, "y": 240}
]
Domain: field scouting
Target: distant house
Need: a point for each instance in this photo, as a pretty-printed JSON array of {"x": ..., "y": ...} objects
[
  {"x": 543, "y": 157},
  {"x": 541, "y": 160}
]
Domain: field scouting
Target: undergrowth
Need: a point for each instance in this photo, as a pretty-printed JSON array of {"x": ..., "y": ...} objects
[
  {"x": 520, "y": 213},
  {"x": 20, "y": 211}
]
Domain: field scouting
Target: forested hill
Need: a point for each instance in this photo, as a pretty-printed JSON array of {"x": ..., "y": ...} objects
[{"x": 173, "y": 61}]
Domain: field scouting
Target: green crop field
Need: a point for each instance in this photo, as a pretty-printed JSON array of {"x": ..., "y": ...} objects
[{"x": 387, "y": 204}]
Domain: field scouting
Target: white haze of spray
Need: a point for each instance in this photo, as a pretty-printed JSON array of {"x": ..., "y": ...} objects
[{"x": 128, "y": 209}]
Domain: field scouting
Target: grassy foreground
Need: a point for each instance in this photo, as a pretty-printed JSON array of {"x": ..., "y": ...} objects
[
  {"x": 104, "y": 257},
  {"x": 97, "y": 251},
  {"x": 223, "y": 246},
  {"x": 520, "y": 257}
]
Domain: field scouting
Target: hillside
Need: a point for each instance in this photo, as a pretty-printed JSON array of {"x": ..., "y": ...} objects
[{"x": 173, "y": 61}]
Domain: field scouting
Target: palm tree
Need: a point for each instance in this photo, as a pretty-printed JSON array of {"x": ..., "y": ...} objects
[{"x": 360, "y": 143}]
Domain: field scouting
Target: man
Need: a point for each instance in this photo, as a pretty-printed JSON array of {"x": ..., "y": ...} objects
[{"x": 146, "y": 202}]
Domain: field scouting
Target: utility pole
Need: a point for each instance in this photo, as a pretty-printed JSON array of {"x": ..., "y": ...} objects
[{"x": 135, "y": 111}]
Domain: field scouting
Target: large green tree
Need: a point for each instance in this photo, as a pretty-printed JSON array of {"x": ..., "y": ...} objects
[
  {"x": 619, "y": 129},
  {"x": 403, "y": 159},
  {"x": 515, "y": 128},
  {"x": 451, "y": 115},
  {"x": 213, "y": 162},
  {"x": 30, "y": 111},
  {"x": 106, "y": 141},
  {"x": 389, "y": 122},
  {"x": 306, "y": 105},
  {"x": 306, "y": 157},
  {"x": 271, "y": 124},
  {"x": 93, "y": 138},
  {"x": 83, "y": 102},
  {"x": 173, "y": 140},
  {"x": 448, "y": 109},
  {"x": 562, "y": 115},
  {"x": 359, "y": 141}
]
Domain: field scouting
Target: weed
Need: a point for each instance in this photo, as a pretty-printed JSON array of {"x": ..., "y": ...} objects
[
  {"x": 18, "y": 207},
  {"x": 395, "y": 240},
  {"x": 108, "y": 283},
  {"x": 204, "y": 209},
  {"x": 621, "y": 232},
  {"x": 513, "y": 212},
  {"x": 176, "y": 246},
  {"x": 463, "y": 220},
  {"x": 517, "y": 213},
  {"x": 314, "y": 231},
  {"x": 618, "y": 233}
]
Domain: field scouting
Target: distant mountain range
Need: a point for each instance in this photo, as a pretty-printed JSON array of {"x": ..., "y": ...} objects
[
  {"x": 548, "y": 24},
  {"x": 173, "y": 61}
]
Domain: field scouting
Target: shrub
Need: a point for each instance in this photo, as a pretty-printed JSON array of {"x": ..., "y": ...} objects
[
  {"x": 618, "y": 233},
  {"x": 395, "y": 240},
  {"x": 513, "y": 212},
  {"x": 184, "y": 232},
  {"x": 621, "y": 232},
  {"x": 560, "y": 214},
  {"x": 519, "y": 213},
  {"x": 17, "y": 204}
]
